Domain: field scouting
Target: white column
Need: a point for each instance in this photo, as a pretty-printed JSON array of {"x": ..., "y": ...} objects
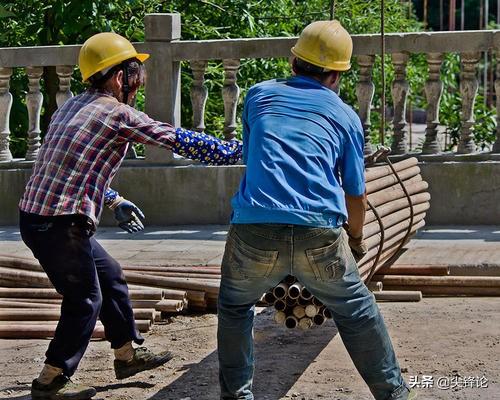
[
  {"x": 34, "y": 100},
  {"x": 64, "y": 74},
  {"x": 199, "y": 94},
  {"x": 364, "y": 93},
  {"x": 468, "y": 91},
  {"x": 5, "y": 106},
  {"x": 399, "y": 91},
  {"x": 433, "y": 90},
  {"x": 230, "y": 95}
]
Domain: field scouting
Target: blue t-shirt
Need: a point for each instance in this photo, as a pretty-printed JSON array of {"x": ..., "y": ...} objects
[{"x": 303, "y": 148}]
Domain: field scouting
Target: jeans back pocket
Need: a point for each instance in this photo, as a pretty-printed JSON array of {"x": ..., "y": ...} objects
[
  {"x": 244, "y": 261},
  {"x": 328, "y": 262}
]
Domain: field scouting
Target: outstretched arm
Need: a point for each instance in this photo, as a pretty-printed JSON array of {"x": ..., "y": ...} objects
[
  {"x": 136, "y": 126},
  {"x": 206, "y": 148}
]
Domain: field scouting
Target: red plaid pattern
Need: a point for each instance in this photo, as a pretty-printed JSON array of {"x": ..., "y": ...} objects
[{"x": 86, "y": 142}]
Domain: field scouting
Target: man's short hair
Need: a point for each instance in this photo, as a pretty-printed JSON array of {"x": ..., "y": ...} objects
[{"x": 305, "y": 68}]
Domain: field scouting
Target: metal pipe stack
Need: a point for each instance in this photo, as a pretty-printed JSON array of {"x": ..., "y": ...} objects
[
  {"x": 295, "y": 306},
  {"x": 29, "y": 305},
  {"x": 435, "y": 280},
  {"x": 398, "y": 202}
]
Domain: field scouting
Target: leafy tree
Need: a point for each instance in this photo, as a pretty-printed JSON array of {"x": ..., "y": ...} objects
[{"x": 52, "y": 22}]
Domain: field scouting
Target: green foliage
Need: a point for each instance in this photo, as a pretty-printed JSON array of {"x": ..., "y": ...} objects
[{"x": 53, "y": 22}]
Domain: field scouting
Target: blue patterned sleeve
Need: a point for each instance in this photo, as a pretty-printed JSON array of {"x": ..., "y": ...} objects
[
  {"x": 110, "y": 195},
  {"x": 205, "y": 148}
]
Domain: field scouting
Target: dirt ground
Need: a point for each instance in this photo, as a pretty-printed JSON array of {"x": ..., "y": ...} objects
[{"x": 439, "y": 341}]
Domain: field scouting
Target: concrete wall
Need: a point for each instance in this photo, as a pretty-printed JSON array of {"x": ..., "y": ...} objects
[
  {"x": 462, "y": 193},
  {"x": 167, "y": 195}
]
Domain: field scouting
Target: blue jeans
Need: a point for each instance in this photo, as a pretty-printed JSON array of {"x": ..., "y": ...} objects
[{"x": 257, "y": 257}]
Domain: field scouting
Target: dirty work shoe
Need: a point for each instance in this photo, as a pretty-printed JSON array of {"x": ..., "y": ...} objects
[
  {"x": 142, "y": 360},
  {"x": 61, "y": 388},
  {"x": 412, "y": 395}
]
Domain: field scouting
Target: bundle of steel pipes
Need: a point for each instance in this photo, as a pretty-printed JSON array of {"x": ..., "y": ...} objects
[
  {"x": 29, "y": 305},
  {"x": 435, "y": 280},
  {"x": 398, "y": 202},
  {"x": 295, "y": 306}
]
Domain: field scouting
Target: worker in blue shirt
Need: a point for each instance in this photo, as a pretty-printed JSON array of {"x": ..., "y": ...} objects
[{"x": 304, "y": 180}]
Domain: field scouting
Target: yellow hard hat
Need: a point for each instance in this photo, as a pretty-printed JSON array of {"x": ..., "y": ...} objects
[
  {"x": 105, "y": 50},
  {"x": 325, "y": 44}
]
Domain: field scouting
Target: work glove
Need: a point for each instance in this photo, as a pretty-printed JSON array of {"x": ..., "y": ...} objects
[
  {"x": 128, "y": 215},
  {"x": 358, "y": 247}
]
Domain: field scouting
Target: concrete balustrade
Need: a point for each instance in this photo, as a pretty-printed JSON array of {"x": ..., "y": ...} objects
[
  {"x": 194, "y": 194},
  {"x": 162, "y": 40}
]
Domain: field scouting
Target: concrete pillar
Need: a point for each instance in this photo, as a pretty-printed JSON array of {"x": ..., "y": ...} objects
[{"x": 163, "y": 86}]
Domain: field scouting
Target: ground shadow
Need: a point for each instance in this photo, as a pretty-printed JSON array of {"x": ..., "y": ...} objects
[
  {"x": 112, "y": 386},
  {"x": 288, "y": 353}
]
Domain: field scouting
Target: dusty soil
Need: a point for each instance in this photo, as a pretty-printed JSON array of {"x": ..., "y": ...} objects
[{"x": 454, "y": 340}]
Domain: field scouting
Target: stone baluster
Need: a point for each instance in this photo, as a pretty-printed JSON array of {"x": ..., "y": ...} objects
[
  {"x": 5, "y": 106},
  {"x": 230, "y": 95},
  {"x": 364, "y": 93},
  {"x": 496, "y": 145},
  {"x": 399, "y": 91},
  {"x": 433, "y": 91},
  {"x": 64, "y": 93},
  {"x": 34, "y": 100},
  {"x": 468, "y": 91},
  {"x": 199, "y": 94}
]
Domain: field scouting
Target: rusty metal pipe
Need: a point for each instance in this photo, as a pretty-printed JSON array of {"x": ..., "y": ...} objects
[
  {"x": 299, "y": 312},
  {"x": 295, "y": 290},
  {"x": 281, "y": 290},
  {"x": 291, "y": 322},
  {"x": 398, "y": 295},
  {"x": 305, "y": 323},
  {"x": 280, "y": 317},
  {"x": 280, "y": 305},
  {"x": 373, "y": 173}
]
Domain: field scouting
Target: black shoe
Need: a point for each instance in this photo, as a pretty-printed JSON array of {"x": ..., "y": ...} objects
[
  {"x": 61, "y": 388},
  {"x": 142, "y": 361}
]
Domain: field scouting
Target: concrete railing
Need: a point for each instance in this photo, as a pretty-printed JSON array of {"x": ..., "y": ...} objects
[{"x": 162, "y": 101}]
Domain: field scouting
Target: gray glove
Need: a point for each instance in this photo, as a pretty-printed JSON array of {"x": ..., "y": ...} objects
[
  {"x": 358, "y": 247},
  {"x": 128, "y": 215}
]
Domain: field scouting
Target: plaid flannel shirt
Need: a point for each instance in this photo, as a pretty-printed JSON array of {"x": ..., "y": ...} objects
[{"x": 86, "y": 142}]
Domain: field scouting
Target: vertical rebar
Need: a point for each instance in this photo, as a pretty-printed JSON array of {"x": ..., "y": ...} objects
[
  {"x": 426, "y": 23},
  {"x": 441, "y": 13},
  {"x": 462, "y": 15},
  {"x": 382, "y": 39},
  {"x": 485, "y": 72},
  {"x": 452, "y": 12}
]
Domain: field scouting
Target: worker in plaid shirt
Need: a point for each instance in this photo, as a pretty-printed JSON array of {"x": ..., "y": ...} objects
[{"x": 85, "y": 144}]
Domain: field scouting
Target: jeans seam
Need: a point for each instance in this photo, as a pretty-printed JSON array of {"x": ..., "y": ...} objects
[{"x": 398, "y": 391}]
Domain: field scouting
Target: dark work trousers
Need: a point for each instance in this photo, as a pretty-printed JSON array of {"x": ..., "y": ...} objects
[{"x": 89, "y": 279}]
